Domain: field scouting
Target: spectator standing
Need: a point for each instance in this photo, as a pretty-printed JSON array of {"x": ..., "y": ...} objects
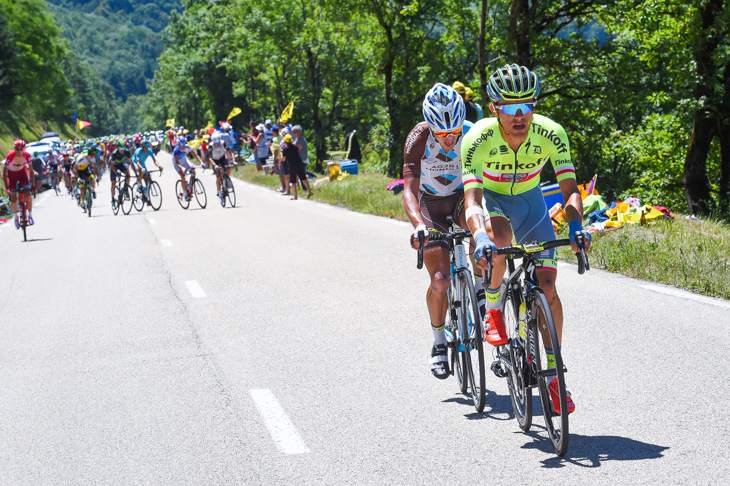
[
  {"x": 262, "y": 146},
  {"x": 472, "y": 114},
  {"x": 469, "y": 98},
  {"x": 301, "y": 143},
  {"x": 276, "y": 150},
  {"x": 290, "y": 153},
  {"x": 253, "y": 140}
]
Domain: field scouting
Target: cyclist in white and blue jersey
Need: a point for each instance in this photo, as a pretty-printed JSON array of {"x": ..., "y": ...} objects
[{"x": 432, "y": 191}]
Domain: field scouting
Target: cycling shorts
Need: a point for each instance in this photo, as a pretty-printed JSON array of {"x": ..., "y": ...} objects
[
  {"x": 67, "y": 168},
  {"x": 18, "y": 176},
  {"x": 119, "y": 167},
  {"x": 528, "y": 214},
  {"x": 84, "y": 174},
  {"x": 435, "y": 210},
  {"x": 222, "y": 162}
]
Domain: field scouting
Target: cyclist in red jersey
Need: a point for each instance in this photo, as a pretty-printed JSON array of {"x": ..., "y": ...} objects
[{"x": 17, "y": 169}]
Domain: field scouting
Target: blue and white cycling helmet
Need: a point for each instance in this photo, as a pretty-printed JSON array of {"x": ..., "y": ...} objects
[
  {"x": 443, "y": 109},
  {"x": 513, "y": 82},
  {"x": 182, "y": 141}
]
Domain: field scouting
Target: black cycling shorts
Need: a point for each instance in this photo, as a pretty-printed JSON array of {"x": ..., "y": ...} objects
[{"x": 435, "y": 210}]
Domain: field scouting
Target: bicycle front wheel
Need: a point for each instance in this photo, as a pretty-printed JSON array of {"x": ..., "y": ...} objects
[
  {"x": 125, "y": 199},
  {"x": 181, "y": 199},
  {"x": 554, "y": 403},
  {"x": 155, "y": 195},
  {"x": 520, "y": 393},
  {"x": 473, "y": 341},
  {"x": 231, "y": 192},
  {"x": 137, "y": 200},
  {"x": 456, "y": 346},
  {"x": 88, "y": 202},
  {"x": 200, "y": 195}
]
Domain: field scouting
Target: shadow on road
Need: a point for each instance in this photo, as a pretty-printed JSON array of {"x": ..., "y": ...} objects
[
  {"x": 496, "y": 405},
  {"x": 593, "y": 451},
  {"x": 38, "y": 239}
]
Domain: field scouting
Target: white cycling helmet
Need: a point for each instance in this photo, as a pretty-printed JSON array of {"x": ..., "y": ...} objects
[{"x": 443, "y": 109}]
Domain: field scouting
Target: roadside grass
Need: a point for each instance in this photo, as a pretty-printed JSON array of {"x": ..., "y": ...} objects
[
  {"x": 364, "y": 193},
  {"x": 689, "y": 255},
  {"x": 686, "y": 254}
]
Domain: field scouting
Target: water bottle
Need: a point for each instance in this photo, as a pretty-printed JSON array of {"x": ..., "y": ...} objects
[{"x": 522, "y": 320}]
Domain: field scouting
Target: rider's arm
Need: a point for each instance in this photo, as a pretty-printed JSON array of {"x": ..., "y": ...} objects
[
  {"x": 412, "y": 151},
  {"x": 573, "y": 207}
]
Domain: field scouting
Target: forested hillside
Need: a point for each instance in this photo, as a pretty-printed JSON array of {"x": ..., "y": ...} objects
[{"x": 646, "y": 102}]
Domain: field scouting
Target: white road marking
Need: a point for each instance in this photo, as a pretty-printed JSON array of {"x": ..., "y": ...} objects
[
  {"x": 280, "y": 427},
  {"x": 152, "y": 221},
  {"x": 195, "y": 289},
  {"x": 166, "y": 243},
  {"x": 683, "y": 294}
]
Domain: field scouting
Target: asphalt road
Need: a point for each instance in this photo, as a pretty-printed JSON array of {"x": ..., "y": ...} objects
[{"x": 287, "y": 342}]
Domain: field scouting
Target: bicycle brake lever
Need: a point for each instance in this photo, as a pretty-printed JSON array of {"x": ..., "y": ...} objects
[
  {"x": 488, "y": 254},
  {"x": 421, "y": 239}
]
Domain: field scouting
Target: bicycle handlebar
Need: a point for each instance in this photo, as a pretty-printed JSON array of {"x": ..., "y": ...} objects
[
  {"x": 459, "y": 234},
  {"x": 523, "y": 250}
]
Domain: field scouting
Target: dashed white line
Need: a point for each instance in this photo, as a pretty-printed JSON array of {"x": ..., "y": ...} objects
[
  {"x": 166, "y": 243},
  {"x": 683, "y": 294},
  {"x": 280, "y": 427},
  {"x": 152, "y": 221},
  {"x": 196, "y": 291}
]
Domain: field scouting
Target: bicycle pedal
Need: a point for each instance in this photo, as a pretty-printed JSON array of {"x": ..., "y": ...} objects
[{"x": 497, "y": 369}]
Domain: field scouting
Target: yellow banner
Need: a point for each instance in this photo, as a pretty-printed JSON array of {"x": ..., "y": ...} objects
[
  {"x": 170, "y": 123},
  {"x": 193, "y": 144},
  {"x": 287, "y": 113},
  {"x": 208, "y": 126},
  {"x": 234, "y": 112}
]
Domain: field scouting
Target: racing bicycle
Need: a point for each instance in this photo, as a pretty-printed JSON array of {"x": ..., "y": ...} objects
[
  {"x": 227, "y": 190},
  {"x": 148, "y": 193},
  {"x": 194, "y": 187},
  {"x": 463, "y": 325},
  {"x": 530, "y": 329},
  {"x": 22, "y": 211}
]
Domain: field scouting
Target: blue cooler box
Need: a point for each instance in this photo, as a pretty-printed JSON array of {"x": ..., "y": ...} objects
[
  {"x": 552, "y": 194},
  {"x": 349, "y": 166}
]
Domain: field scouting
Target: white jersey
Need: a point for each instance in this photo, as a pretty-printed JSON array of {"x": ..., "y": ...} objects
[{"x": 439, "y": 172}]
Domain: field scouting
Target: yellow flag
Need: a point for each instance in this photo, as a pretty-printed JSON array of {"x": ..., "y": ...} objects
[
  {"x": 287, "y": 113},
  {"x": 234, "y": 112},
  {"x": 81, "y": 124},
  {"x": 209, "y": 125},
  {"x": 170, "y": 123},
  {"x": 193, "y": 144}
]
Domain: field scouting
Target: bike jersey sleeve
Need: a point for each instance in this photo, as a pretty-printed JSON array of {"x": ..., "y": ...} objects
[{"x": 490, "y": 163}]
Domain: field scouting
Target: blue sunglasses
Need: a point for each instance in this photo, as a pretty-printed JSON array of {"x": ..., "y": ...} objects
[{"x": 512, "y": 110}]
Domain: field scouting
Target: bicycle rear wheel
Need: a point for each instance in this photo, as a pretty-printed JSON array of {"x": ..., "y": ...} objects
[
  {"x": 554, "y": 411},
  {"x": 473, "y": 341},
  {"x": 126, "y": 199},
  {"x": 23, "y": 219},
  {"x": 155, "y": 195},
  {"x": 200, "y": 195},
  {"x": 181, "y": 199},
  {"x": 89, "y": 200},
  {"x": 231, "y": 192},
  {"x": 520, "y": 393}
]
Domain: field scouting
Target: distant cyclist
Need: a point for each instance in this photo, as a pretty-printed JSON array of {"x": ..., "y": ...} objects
[
  {"x": 17, "y": 170},
  {"x": 503, "y": 158},
  {"x": 181, "y": 162},
  {"x": 86, "y": 173},
  {"x": 139, "y": 160},
  {"x": 118, "y": 157},
  {"x": 433, "y": 191}
]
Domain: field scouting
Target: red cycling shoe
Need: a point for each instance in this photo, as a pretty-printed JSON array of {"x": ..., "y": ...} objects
[
  {"x": 555, "y": 397},
  {"x": 494, "y": 328}
]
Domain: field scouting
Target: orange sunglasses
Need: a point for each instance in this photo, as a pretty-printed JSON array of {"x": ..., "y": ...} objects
[{"x": 446, "y": 134}]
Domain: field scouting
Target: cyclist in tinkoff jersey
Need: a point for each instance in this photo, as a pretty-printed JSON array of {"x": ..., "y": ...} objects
[
  {"x": 433, "y": 191},
  {"x": 503, "y": 158}
]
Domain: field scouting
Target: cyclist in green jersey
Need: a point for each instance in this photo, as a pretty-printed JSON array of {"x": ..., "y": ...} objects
[{"x": 503, "y": 158}]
